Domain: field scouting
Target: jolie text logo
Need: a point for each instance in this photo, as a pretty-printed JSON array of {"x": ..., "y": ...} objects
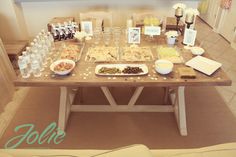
[{"x": 51, "y": 134}]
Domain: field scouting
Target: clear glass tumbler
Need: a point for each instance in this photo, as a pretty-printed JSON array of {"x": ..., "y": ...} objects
[
  {"x": 116, "y": 35},
  {"x": 97, "y": 36}
]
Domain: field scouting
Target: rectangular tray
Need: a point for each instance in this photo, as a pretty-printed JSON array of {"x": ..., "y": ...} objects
[
  {"x": 102, "y": 54},
  {"x": 121, "y": 67},
  {"x": 135, "y": 54},
  {"x": 204, "y": 65},
  {"x": 175, "y": 59},
  {"x": 78, "y": 55}
]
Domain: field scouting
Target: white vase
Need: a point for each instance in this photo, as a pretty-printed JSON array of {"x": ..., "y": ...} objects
[{"x": 171, "y": 40}]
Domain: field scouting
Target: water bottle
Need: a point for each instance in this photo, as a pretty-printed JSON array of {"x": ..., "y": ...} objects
[
  {"x": 43, "y": 32},
  {"x": 35, "y": 66},
  {"x": 47, "y": 42},
  {"x": 28, "y": 50},
  {"x": 39, "y": 58},
  {"x": 33, "y": 47},
  {"x": 51, "y": 39},
  {"x": 45, "y": 47},
  {"x": 26, "y": 58},
  {"x": 43, "y": 55},
  {"x": 23, "y": 67},
  {"x": 36, "y": 40}
]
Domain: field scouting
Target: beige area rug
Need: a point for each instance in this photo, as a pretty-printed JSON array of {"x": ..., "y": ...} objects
[
  {"x": 11, "y": 108},
  {"x": 208, "y": 118}
]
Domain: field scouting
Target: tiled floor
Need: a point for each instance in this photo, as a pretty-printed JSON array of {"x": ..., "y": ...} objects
[{"x": 220, "y": 50}]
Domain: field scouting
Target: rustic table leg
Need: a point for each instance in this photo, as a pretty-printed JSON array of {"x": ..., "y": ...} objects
[
  {"x": 66, "y": 99},
  {"x": 81, "y": 96},
  {"x": 135, "y": 96},
  {"x": 166, "y": 94},
  {"x": 180, "y": 112},
  {"x": 109, "y": 96}
]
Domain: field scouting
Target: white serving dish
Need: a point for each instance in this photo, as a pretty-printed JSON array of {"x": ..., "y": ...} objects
[
  {"x": 204, "y": 65},
  {"x": 163, "y": 66},
  {"x": 121, "y": 67},
  {"x": 52, "y": 66},
  {"x": 197, "y": 50}
]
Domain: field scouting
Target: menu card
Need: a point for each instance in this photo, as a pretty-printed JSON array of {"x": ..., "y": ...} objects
[
  {"x": 190, "y": 37},
  {"x": 152, "y": 30}
]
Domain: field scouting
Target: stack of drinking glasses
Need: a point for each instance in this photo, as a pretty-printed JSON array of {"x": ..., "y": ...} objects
[
  {"x": 116, "y": 35},
  {"x": 36, "y": 57},
  {"x": 97, "y": 35},
  {"x": 107, "y": 36}
]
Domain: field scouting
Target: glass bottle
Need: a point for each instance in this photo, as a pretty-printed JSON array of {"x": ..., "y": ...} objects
[
  {"x": 35, "y": 66},
  {"x": 23, "y": 67},
  {"x": 26, "y": 58}
]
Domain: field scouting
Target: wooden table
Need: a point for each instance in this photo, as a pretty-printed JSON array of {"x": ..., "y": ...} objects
[{"x": 84, "y": 76}]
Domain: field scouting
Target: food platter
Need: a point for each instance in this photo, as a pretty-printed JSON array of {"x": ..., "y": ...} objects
[
  {"x": 121, "y": 69},
  {"x": 72, "y": 51},
  {"x": 136, "y": 54},
  {"x": 169, "y": 53},
  {"x": 102, "y": 54}
]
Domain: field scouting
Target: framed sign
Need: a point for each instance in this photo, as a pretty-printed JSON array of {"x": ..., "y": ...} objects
[
  {"x": 190, "y": 37},
  {"x": 87, "y": 26},
  {"x": 134, "y": 35},
  {"x": 152, "y": 30}
]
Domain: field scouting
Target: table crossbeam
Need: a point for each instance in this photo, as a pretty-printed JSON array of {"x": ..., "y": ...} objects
[{"x": 176, "y": 96}]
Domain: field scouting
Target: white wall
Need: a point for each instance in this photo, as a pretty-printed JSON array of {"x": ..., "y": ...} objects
[
  {"x": 38, "y": 14},
  {"x": 12, "y": 23}
]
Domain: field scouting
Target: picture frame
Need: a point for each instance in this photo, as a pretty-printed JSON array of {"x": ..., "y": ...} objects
[
  {"x": 134, "y": 35},
  {"x": 190, "y": 37},
  {"x": 87, "y": 26}
]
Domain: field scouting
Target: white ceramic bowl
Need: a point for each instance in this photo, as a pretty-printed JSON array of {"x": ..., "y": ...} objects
[
  {"x": 164, "y": 66},
  {"x": 197, "y": 50},
  {"x": 64, "y": 72}
]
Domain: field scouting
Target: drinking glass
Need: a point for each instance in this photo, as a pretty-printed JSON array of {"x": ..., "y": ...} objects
[
  {"x": 106, "y": 38},
  {"x": 116, "y": 35},
  {"x": 97, "y": 36},
  {"x": 107, "y": 35}
]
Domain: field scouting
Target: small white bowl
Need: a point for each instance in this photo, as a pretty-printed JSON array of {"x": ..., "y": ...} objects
[
  {"x": 197, "y": 50},
  {"x": 64, "y": 72},
  {"x": 163, "y": 66}
]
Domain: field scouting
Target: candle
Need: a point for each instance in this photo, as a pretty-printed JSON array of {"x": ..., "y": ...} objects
[
  {"x": 189, "y": 18},
  {"x": 179, "y": 11}
]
